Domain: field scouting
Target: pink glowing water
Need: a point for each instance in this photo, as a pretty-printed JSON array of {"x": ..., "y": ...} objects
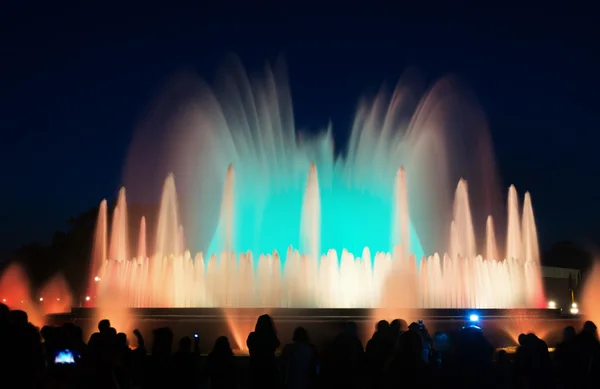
[{"x": 16, "y": 292}]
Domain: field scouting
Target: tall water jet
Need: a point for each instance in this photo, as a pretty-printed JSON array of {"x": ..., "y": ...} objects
[
  {"x": 181, "y": 236},
  {"x": 463, "y": 222},
  {"x": 491, "y": 248},
  {"x": 167, "y": 234},
  {"x": 531, "y": 254},
  {"x": 226, "y": 228},
  {"x": 310, "y": 229},
  {"x": 401, "y": 218},
  {"x": 529, "y": 232},
  {"x": 142, "y": 240},
  {"x": 119, "y": 241},
  {"x": 55, "y": 296},
  {"x": 513, "y": 238},
  {"x": 99, "y": 248}
]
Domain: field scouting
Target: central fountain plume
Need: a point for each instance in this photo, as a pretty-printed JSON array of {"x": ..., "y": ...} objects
[{"x": 283, "y": 221}]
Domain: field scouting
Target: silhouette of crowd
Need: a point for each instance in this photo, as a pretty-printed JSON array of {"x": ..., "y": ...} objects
[{"x": 397, "y": 355}]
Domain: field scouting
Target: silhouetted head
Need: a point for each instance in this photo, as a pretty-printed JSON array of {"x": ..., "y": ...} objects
[
  {"x": 78, "y": 334},
  {"x": 103, "y": 325},
  {"x": 414, "y": 327},
  {"x": 382, "y": 326},
  {"x": 162, "y": 342},
  {"x": 410, "y": 345},
  {"x": 532, "y": 339},
  {"x": 398, "y": 325},
  {"x": 18, "y": 318},
  {"x": 121, "y": 340},
  {"x": 589, "y": 327},
  {"x": 185, "y": 344},
  {"x": 470, "y": 343},
  {"x": 350, "y": 328},
  {"x": 221, "y": 347},
  {"x": 265, "y": 324},
  {"x": 569, "y": 333},
  {"x": 112, "y": 331},
  {"x": 300, "y": 335},
  {"x": 46, "y": 333},
  {"x": 522, "y": 340}
]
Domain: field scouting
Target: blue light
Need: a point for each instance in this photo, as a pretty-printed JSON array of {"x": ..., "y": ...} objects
[{"x": 474, "y": 317}]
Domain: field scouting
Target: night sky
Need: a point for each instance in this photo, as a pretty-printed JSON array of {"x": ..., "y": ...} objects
[{"x": 75, "y": 81}]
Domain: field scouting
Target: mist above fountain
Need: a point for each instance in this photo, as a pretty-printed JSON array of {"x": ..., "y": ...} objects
[{"x": 281, "y": 221}]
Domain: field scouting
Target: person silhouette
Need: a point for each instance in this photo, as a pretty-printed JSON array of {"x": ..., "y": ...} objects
[
  {"x": 220, "y": 365},
  {"x": 262, "y": 344}
]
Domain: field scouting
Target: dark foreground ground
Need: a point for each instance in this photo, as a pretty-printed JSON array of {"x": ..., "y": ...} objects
[{"x": 501, "y": 327}]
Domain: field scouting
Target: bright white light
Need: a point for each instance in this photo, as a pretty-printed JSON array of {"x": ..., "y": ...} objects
[
  {"x": 574, "y": 305},
  {"x": 96, "y": 278},
  {"x": 574, "y": 310},
  {"x": 87, "y": 298},
  {"x": 551, "y": 304},
  {"x": 58, "y": 299},
  {"x": 41, "y": 299},
  {"x": 474, "y": 317},
  {"x": 3, "y": 300}
]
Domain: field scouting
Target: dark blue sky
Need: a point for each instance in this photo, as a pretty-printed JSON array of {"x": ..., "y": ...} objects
[{"x": 74, "y": 81}]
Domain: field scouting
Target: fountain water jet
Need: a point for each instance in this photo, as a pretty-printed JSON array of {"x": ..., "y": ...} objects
[
  {"x": 15, "y": 292},
  {"x": 56, "y": 294}
]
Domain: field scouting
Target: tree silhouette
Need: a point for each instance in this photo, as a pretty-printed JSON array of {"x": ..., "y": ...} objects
[{"x": 70, "y": 249}]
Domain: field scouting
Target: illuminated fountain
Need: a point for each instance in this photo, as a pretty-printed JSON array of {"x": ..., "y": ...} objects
[
  {"x": 173, "y": 278},
  {"x": 284, "y": 222},
  {"x": 15, "y": 292}
]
